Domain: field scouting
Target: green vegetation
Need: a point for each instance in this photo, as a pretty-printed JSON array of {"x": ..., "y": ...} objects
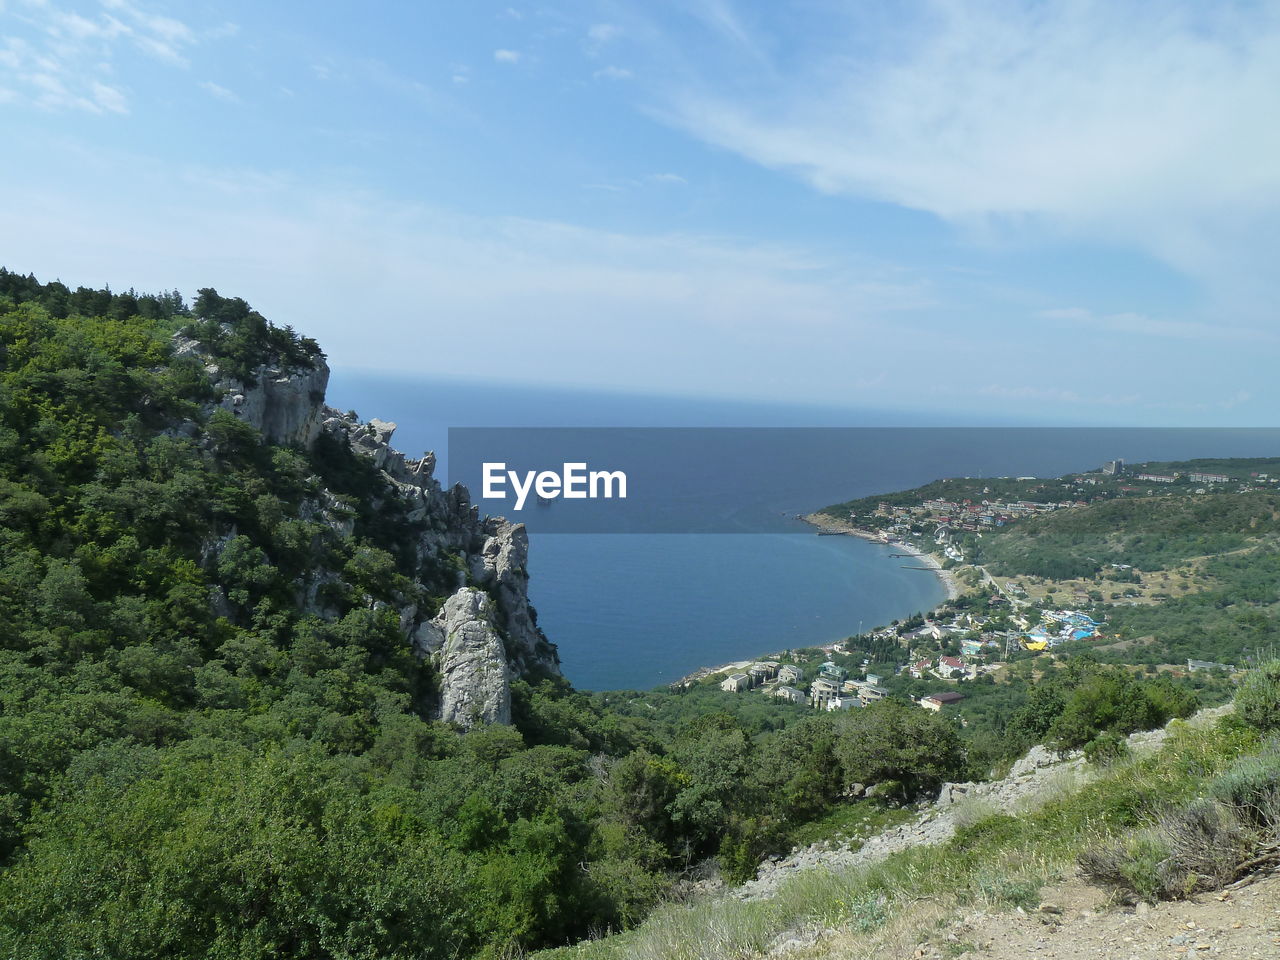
[
  {"x": 1000, "y": 862},
  {"x": 194, "y": 762},
  {"x": 1152, "y": 533},
  {"x": 1259, "y": 698},
  {"x": 1213, "y": 840}
]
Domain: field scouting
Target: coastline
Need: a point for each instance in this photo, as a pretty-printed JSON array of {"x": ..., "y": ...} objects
[{"x": 831, "y": 525}]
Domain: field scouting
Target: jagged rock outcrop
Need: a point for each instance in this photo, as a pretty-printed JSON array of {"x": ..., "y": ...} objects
[
  {"x": 484, "y": 635},
  {"x": 496, "y": 552},
  {"x": 283, "y": 403},
  {"x": 475, "y": 679}
]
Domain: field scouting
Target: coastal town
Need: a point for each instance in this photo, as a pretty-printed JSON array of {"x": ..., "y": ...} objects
[
  {"x": 988, "y": 622},
  {"x": 848, "y": 678}
]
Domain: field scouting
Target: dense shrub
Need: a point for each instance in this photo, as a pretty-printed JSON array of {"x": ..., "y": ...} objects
[
  {"x": 1251, "y": 788},
  {"x": 1201, "y": 845},
  {"x": 1106, "y": 748},
  {"x": 1258, "y": 700}
]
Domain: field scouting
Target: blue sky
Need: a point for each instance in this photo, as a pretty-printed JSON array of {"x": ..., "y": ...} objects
[{"x": 1065, "y": 210}]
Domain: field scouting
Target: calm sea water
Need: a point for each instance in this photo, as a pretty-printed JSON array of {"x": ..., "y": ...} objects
[{"x": 637, "y": 610}]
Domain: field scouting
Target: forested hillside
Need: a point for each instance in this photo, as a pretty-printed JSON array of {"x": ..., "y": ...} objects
[
  {"x": 266, "y": 690},
  {"x": 223, "y": 725}
]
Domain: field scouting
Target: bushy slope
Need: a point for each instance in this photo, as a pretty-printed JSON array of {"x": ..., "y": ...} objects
[
  {"x": 1151, "y": 533},
  {"x": 996, "y": 861}
]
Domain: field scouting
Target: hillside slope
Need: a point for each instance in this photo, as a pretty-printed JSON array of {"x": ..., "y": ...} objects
[{"x": 1003, "y": 856}]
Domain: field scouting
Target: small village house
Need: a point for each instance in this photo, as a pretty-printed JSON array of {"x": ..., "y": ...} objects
[
  {"x": 789, "y": 694},
  {"x": 822, "y": 690},
  {"x": 736, "y": 683},
  {"x": 937, "y": 701}
]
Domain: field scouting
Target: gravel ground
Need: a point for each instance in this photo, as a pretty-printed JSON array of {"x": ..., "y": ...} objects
[{"x": 1074, "y": 924}]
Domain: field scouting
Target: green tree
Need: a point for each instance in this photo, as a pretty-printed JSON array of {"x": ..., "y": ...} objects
[{"x": 893, "y": 742}]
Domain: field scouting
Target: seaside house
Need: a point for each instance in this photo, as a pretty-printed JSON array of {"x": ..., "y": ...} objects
[
  {"x": 937, "y": 701},
  {"x": 920, "y": 668},
  {"x": 790, "y": 674},
  {"x": 870, "y": 694},
  {"x": 822, "y": 690},
  {"x": 843, "y": 703},
  {"x": 789, "y": 694},
  {"x": 949, "y": 667},
  {"x": 833, "y": 672},
  {"x": 762, "y": 672},
  {"x": 736, "y": 683},
  {"x": 874, "y": 679}
]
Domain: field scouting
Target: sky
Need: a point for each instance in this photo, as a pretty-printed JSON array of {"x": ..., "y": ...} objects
[{"x": 1063, "y": 210}]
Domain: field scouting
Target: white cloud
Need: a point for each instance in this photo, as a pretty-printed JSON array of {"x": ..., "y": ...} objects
[
  {"x": 690, "y": 313},
  {"x": 1058, "y": 396},
  {"x": 161, "y": 36},
  {"x": 603, "y": 32},
  {"x": 563, "y": 299},
  {"x": 668, "y": 178},
  {"x": 109, "y": 98},
  {"x": 222, "y": 31},
  {"x": 1144, "y": 325},
  {"x": 1148, "y": 127},
  {"x": 599, "y": 36},
  {"x": 67, "y": 60},
  {"x": 506, "y": 56},
  {"x": 219, "y": 92}
]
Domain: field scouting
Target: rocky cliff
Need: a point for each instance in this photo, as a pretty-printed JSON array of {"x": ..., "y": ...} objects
[{"x": 475, "y": 625}]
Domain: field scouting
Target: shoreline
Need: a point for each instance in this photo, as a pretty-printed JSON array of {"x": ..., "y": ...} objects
[{"x": 831, "y": 525}]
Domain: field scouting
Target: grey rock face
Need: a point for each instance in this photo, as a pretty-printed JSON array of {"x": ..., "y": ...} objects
[
  {"x": 476, "y": 682},
  {"x": 502, "y": 567},
  {"x": 283, "y": 404},
  {"x": 1037, "y": 757}
]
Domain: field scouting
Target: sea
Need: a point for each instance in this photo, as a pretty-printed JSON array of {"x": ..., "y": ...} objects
[{"x": 636, "y": 610}]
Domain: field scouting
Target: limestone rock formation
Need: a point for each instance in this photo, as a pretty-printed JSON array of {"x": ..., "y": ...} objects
[
  {"x": 475, "y": 679},
  {"x": 495, "y": 551},
  {"x": 484, "y": 635}
]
